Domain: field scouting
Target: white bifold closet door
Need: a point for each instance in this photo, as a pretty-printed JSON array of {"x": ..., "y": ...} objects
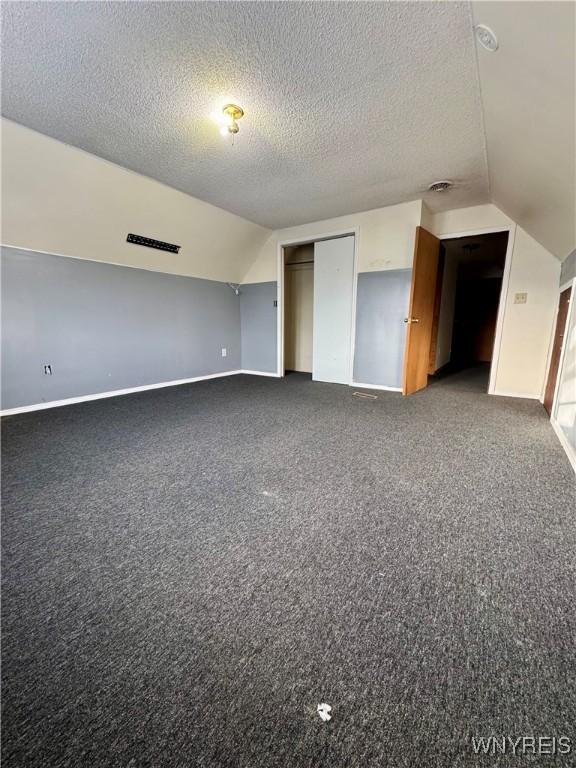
[{"x": 333, "y": 301}]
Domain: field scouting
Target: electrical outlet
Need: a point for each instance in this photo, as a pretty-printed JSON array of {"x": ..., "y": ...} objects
[
  {"x": 520, "y": 298},
  {"x": 48, "y": 370},
  {"x": 224, "y": 351}
]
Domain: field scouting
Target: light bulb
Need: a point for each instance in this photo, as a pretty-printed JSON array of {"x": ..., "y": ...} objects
[{"x": 231, "y": 113}]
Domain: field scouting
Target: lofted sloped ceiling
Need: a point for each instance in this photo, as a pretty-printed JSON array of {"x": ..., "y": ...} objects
[
  {"x": 528, "y": 95},
  {"x": 349, "y": 106}
]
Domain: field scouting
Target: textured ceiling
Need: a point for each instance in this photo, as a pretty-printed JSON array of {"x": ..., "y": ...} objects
[
  {"x": 528, "y": 93},
  {"x": 349, "y": 106}
]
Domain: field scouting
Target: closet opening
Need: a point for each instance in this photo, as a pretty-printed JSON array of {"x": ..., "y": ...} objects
[
  {"x": 316, "y": 307},
  {"x": 298, "y": 308}
]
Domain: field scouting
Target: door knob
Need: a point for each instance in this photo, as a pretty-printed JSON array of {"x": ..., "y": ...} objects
[{"x": 411, "y": 320}]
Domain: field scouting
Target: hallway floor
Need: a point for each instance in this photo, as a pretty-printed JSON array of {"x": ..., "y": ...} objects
[
  {"x": 189, "y": 572},
  {"x": 472, "y": 378}
]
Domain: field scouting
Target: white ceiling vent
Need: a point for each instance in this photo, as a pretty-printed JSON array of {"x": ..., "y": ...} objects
[{"x": 440, "y": 186}]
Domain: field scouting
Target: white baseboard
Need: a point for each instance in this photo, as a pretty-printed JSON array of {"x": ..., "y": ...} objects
[
  {"x": 129, "y": 391},
  {"x": 501, "y": 393},
  {"x": 570, "y": 452},
  {"x": 375, "y": 386},
  {"x": 114, "y": 393},
  {"x": 260, "y": 373}
]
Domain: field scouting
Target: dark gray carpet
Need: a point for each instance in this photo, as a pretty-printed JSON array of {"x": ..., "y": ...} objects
[{"x": 188, "y": 572}]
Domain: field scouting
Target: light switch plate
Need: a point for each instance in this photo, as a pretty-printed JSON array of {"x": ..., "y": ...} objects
[{"x": 520, "y": 298}]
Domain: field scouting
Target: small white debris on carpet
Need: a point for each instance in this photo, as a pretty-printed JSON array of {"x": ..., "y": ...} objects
[{"x": 324, "y": 712}]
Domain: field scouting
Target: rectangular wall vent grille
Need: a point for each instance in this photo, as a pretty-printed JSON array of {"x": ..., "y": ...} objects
[{"x": 149, "y": 242}]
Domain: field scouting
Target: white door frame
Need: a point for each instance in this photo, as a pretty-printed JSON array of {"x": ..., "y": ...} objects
[
  {"x": 563, "y": 287},
  {"x": 570, "y": 284},
  {"x": 568, "y": 447},
  {"x": 511, "y": 229},
  {"x": 280, "y": 273}
]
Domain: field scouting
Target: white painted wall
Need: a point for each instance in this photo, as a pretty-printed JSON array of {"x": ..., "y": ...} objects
[
  {"x": 385, "y": 240},
  {"x": 568, "y": 269},
  {"x": 527, "y": 328},
  {"x": 565, "y": 405},
  {"x": 427, "y": 218},
  {"x": 468, "y": 219},
  {"x": 61, "y": 200}
]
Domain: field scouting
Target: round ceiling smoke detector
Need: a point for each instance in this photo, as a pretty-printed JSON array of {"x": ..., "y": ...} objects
[
  {"x": 486, "y": 37},
  {"x": 440, "y": 186}
]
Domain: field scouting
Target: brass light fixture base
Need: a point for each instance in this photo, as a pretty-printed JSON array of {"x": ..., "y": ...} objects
[{"x": 233, "y": 111}]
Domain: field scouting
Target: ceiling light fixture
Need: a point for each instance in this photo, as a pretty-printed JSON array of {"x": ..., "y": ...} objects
[
  {"x": 486, "y": 37},
  {"x": 440, "y": 186},
  {"x": 232, "y": 113}
]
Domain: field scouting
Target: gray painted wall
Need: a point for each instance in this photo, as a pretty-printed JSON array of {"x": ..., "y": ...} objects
[
  {"x": 258, "y": 320},
  {"x": 381, "y": 306},
  {"x": 568, "y": 270},
  {"x": 103, "y": 327}
]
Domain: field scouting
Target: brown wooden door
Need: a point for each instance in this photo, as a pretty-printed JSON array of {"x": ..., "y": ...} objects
[
  {"x": 421, "y": 313},
  {"x": 563, "y": 305}
]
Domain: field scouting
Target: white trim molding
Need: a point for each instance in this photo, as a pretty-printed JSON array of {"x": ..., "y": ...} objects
[
  {"x": 128, "y": 391},
  {"x": 375, "y": 386},
  {"x": 511, "y": 229},
  {"x": 572, "y": 285},
  {"x": 524, "y": 395},
  {"x": 114, "y": 393},
  {"x": 565, "y": 443},
  {"x": 259, "y": 373}
]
